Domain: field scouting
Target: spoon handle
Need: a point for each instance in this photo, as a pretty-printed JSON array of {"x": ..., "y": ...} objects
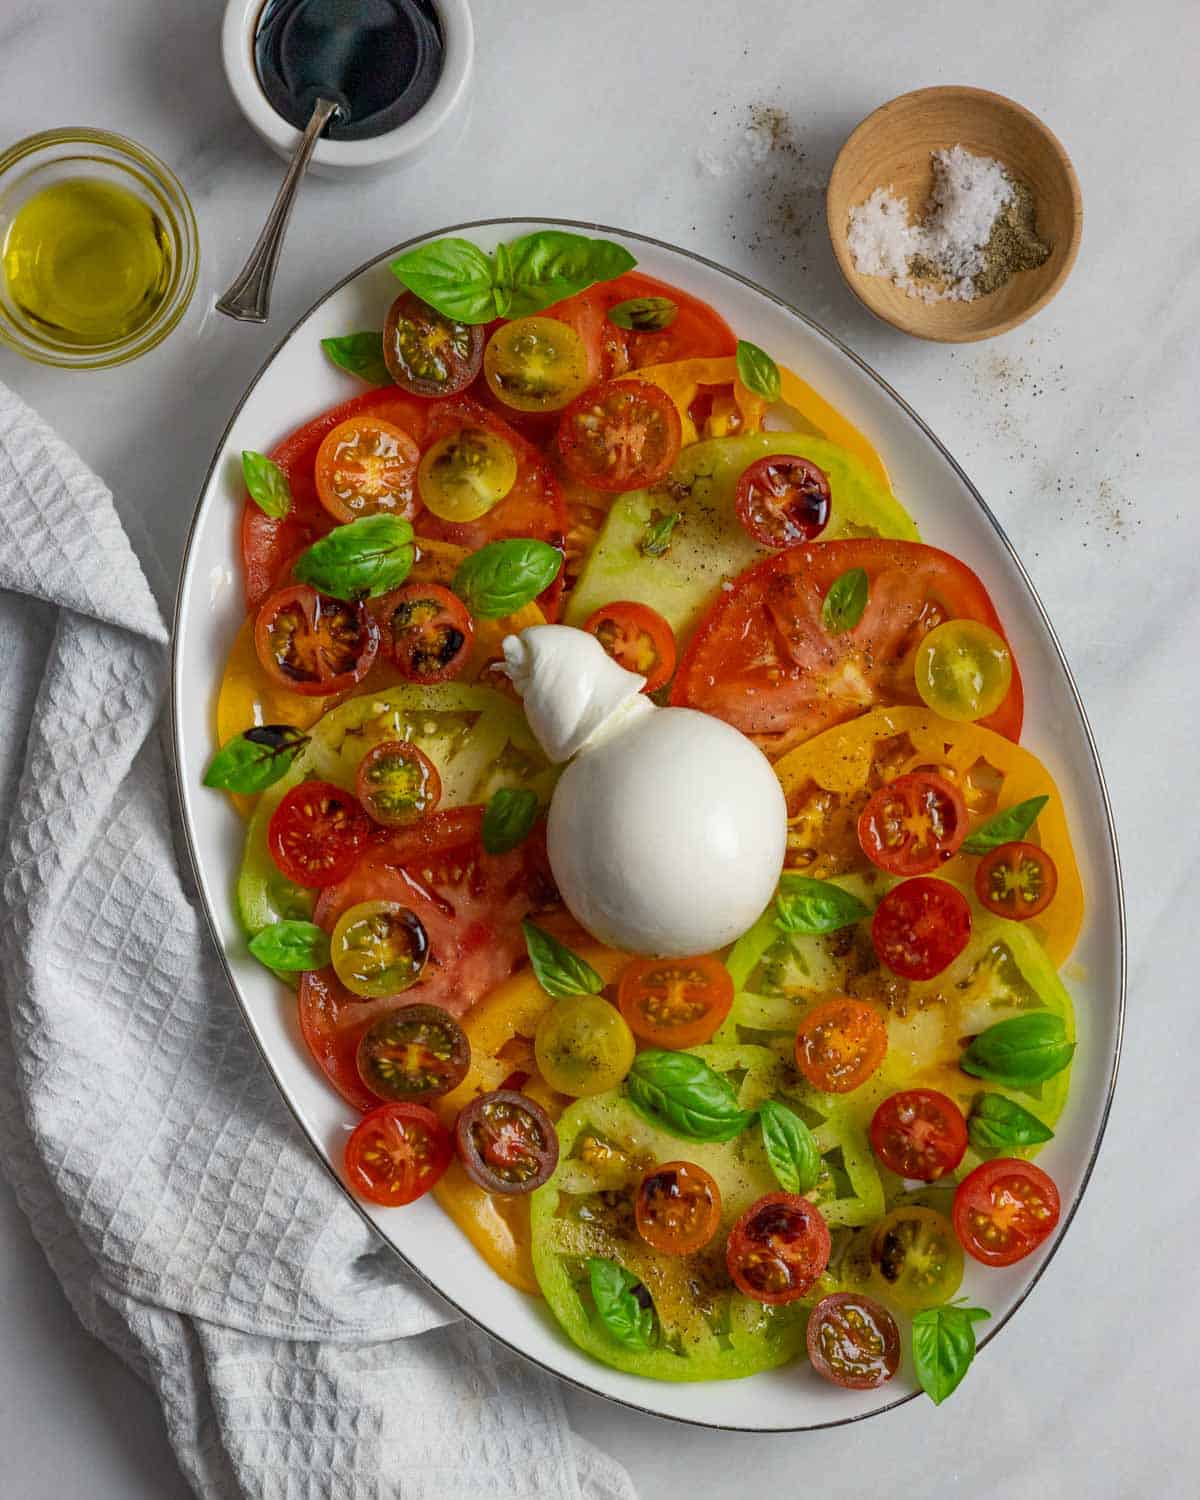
[{"x": 248, "y": 297}]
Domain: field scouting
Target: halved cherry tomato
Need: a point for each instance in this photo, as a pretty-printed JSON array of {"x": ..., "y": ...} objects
[
  {"x": 839, "y": 1044},
  {"x": 637, "y": 638},
  {"x": 396, "y": 1153},
  {"x": 397, "y": 783},
  {"x": 378, "y": 948},
  {"x": 535, "y": 364},
  {"x": 778, "y": 1248},
  {"x": 1016, "y": 880},
  {"x": 920, "y": 927},
  {"x": 677, "y": 1208},
  {"x": 583, "y": 1046},
  {"x": 783, "y": 500},
  {"x": 313, "y": 644},
  {"x": 675, "y": 1002},
  {"x": 417, "y": 1053},
  {"x": 913, "y": 824},
  {"x": 462, "y": 476},
  {"x": 428, "y": 353},
  {"x": 427, "y": 631},
  {"x": 506, "y": 1142},
  {"x": 919, "y": 1133},
  {"x": 367, "y": 467},
  {"x": 316, "y": 833},
  {"x": 1004, "y": 1209},
  {"x": 963, "y": 670},
  {"x": 911, "y": 1257},
  {"x": 853, "y": 1341},
  {"x": 622, "y": 435}
]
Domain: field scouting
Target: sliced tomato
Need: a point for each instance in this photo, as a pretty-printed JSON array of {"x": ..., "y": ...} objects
[
  {"x": 764, "y": 659},
  {"x": 696, "y": 332},
  {"x": 396, "y": 1154},
  {"x": 1016, "y": 880},
  {"x": 778, "y": 1248},
  {"x": 853, "y": 1341},
  {"x": 316, "y": 833},
  {"x": 622, "y": 435},
  {"x": 427, "y": 631},
  {"x": 783, "y": 500},
  {"x": 1004, "y": 1209},
  {"x": 416, "y": 1054},
  {"x": 637, "y": 638},
  {"x": 506, "y": 1142},
  {"x": 913, "y": 824},
  {"x": 397, "y": 783},
  {"x": 367, "y": 467},
  {"x": 678, "y": 1207},
  {"x": 427, "y": 353},
  {"x": 675, "y": 1002},
  {"x": 920, "y": 927},
  {"x": 313, "y": 644},
  {"x": 919, "y": 1133},
  {"x": 839, "y": 1044}
]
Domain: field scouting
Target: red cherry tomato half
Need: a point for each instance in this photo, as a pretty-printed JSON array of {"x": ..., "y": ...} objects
[
  {"x": 622, "y": 435},
  {"x": 428, "y": 631},
  {"x": 1004, "y": 1209},
  {"x": 920, "y": 927},
  {"x": 1016, "y": 881},
  {"x": 506, "y": 1143},
  {"x": 853, "y": 1341},
  {"x": 367, "y": 467},
  {"x": 913, "y": 824},
  {"x": 313, "y": 644},
  {"x": 677, "y": 1208},
  {"x": 637, "y": 638},
  {"x": 397, "y": 783},
  {"x": 783, "y": 500},
  {"x": 839, "y": 1044},
  {"x": 675, "y": 1002},
  {"x": 778, "y": 1248},
  {"x": 416, "y": 1053},
  {"x": 428, "y": 353},
  {"x": 396, "y": 1153},
  {"x": 919, "y": 1133},
  {"x": 316, "y": 833}
]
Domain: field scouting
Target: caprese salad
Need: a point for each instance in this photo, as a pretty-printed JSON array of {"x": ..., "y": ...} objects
[{"x": 636, "y": 805}]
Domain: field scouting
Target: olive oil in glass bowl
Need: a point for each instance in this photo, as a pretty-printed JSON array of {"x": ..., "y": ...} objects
[{"x": 98, "y": 249}]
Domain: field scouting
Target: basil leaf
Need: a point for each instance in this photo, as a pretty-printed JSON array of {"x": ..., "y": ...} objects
[
  {"x": 552, "y": 264},
  {"x": 362, "y": 355},
  {"x": 806, "y": 905},
  {"x": 454, "y": 276},
  {"x": 1019, "y": 1051},
  {"x": 267, "y": 484},
  {"x": 559, "y": 971},
  {"x": 684, "y": 1095},
  {"x": 842, "y": 607},
  {"x": 757, "y": 371},
  {"x": 253, "y": 761},
  {"x": 656, "y": 538},
  {"x": 1006, "y": 827},
  {"x": 644, "y": 314},
  {"x": 510, "y": 814},
  {"x": 790, "y": 1147},
  {"x": 292, "y": 947},
  {"x": 943, "y": 1346},
  {"x": 361, "y": 560},
  {"x": 617, "y": 1303},
  {"x": 502, "y": 281},
  {"x": 997, "y": 1123},
  {"x": 503, "y": 576}
]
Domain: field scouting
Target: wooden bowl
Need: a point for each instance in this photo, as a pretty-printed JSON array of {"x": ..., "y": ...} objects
[{"x": 892, "y": 148}]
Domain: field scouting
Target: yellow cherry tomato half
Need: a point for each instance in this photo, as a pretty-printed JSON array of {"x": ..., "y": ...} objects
[
  {"x": 378, "y": 948},
  {"x": 911, "y": 1258},
  {"x": 464, "y": 475},
  {"x": 583, "y": 1046},
  {"x": 964, "y": 670},
  {"x": 535, "y": 364}
]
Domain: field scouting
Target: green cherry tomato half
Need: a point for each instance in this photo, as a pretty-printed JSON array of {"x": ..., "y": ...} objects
[
  {"x": 464, "y": 475},
  {"x": 535, "y": 364},
  {"x": 583, "y": 1046},
  {"x": 912, "y": 1259},
  {"x": 964, "y": 670},
  {"x": 378, "y": 948}
]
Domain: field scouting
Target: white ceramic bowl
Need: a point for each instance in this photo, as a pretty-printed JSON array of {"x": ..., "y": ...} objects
[
  {"x": 951, "y": 514},
  {"x": 395, "y": 148}
]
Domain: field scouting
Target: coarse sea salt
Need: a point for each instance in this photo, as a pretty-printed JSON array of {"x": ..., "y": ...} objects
[{"x": 969, "y": 194}]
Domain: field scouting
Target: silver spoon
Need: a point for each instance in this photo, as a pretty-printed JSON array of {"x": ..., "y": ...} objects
[{"x": 248, "y": 297}]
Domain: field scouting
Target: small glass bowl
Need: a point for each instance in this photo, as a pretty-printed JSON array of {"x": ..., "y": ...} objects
[{"x": 98, "y": 155}]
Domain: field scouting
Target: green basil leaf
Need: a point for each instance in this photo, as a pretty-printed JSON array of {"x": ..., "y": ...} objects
[
  {"x": 559, "y": 971},
  {"x": 362, "y": 355},
  {"x": 806, "y": 905},
  {"x": 503, "y": 576},
  {"x": 943, "y": 1346},
  {"x": 842, "y": 607},
  {"x": 502, "y": 280},
  {"x": 1019, "y": 1051},
  {"x": 644, "y": 314},
  {"x": 684, "y": 1095},
  {"x": 253, "y": 761},
  {"x": 997, "y": 1123},
  {"x": 617, "y": 1303},
  {"x": 267, "y": 484},
  {"x": 790, "y": 1147},
  {"x": 292, "y": 947},
  {"x": 511, "y": 813},
  {"x": 454, "y": 276},
  {"x": 552, "y": 264},
  {"x": 361, "y": 560},
  {"x": 1006, "y": 827},
  {"x": 757, "y": 371},
  {"x": 656, "y": 538}
]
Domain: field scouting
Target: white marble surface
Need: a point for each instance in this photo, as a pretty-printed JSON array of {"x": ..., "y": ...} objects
[{"x": 1081, "y": 430}]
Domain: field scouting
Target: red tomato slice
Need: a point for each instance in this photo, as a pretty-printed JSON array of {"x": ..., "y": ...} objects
[
  {"x": 396, "y": 1154},
  {"x": 675, "y": 1002},
  {"x": 913, "y": 824},
  {"x": 778, "y": 1248},
  {"x": 763, "y": 659},
  {"x": 919, "y": 1133},
  {"x": 427, "y": 631},
  {"x": 1004, "y": 1209},
  {"x": 367, "y": 467},
  {"x": 698, "y": 332},
  {"x": 1016, "y": 880},
  {"x": 313, "y": 644},
  {"x": 839, "y": 1044},
  {"x": 622, "y": 435},
  {"x": 678, "y": 1207},
  {"x": 783, "y": 500},
  {"x": 920, "y": 927},
  {"x": 637, "y": 638},
  {"x": 316, "y": 833}
]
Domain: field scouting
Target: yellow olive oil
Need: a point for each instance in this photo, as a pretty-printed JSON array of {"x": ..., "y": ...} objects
[{"x": 88, "y": 261}]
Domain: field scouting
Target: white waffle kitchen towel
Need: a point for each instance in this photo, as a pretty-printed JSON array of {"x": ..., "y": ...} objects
[{"x": 173, "y": 1195}]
